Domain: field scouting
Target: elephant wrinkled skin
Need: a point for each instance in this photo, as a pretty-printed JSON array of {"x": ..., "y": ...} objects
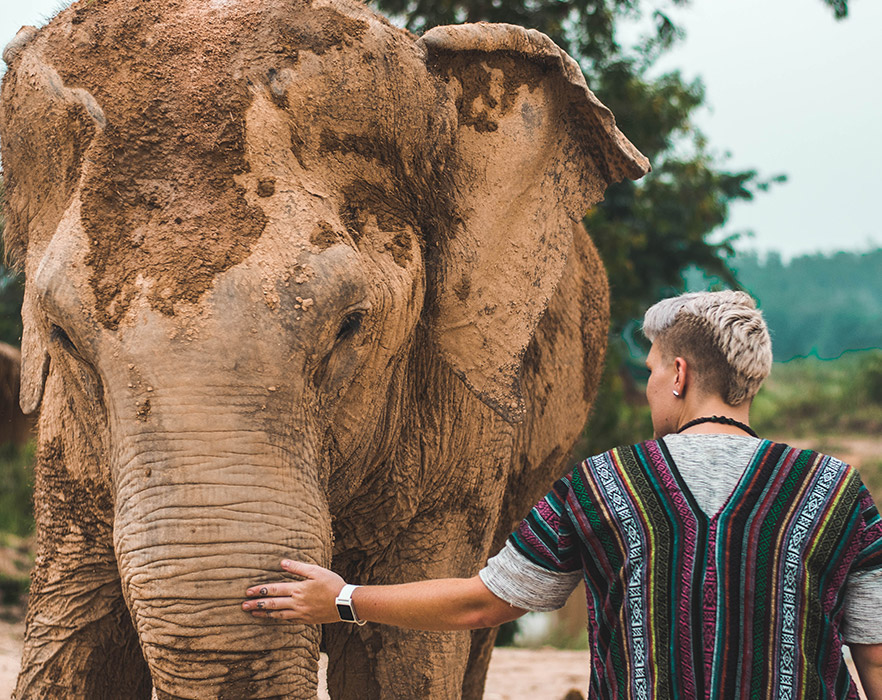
[{"x": 298, "y": 284}]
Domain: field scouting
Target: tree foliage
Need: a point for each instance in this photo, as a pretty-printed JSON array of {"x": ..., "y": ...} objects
[
  {"x": 839, "y": 7},
  {"x": 809, "y": 396}
]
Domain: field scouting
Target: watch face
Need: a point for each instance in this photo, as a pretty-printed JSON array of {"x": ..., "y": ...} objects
[{"x": 345, "y": 613}]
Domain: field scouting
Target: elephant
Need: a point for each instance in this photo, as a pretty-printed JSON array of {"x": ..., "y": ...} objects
[{"x": 299, "y": 284}]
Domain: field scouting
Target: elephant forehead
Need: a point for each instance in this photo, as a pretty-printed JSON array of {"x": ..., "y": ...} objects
[{"x": 164, "y": 196}]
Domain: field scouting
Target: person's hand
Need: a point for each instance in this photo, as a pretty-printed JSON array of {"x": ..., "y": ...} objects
[{"x": 310, "y": 600}]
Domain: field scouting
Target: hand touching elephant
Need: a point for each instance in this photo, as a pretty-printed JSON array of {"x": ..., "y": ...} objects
[
  {"x": 298, "y": 284},
  {"x": 435, "y": 604}
]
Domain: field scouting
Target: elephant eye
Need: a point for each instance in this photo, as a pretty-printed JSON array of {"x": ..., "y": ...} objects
[
  {"x": 350, "y": 325},
  {"x": 59, "y": 335},
  {"x": 84, "y": 371}
]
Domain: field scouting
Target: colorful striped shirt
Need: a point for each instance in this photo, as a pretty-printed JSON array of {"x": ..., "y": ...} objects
[{"x": 747, "y": 603}]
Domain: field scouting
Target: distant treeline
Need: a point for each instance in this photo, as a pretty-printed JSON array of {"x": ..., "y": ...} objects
[{"x": 822, "y": 305}]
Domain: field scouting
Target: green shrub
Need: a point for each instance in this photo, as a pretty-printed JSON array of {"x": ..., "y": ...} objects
[
  {"x": 870, "y": 377},
  {"x": 16, "y": 489},
  {"x": 811, "y": 397},
  {"x": 16, "y": 560}
]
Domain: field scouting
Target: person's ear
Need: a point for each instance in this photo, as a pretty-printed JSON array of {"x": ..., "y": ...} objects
[
  {"x": 681, "y": 378},
  {"x": 532, "y": 150}
]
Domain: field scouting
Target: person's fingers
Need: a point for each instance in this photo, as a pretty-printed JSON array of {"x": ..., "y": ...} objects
[
  {"x": 272, "y": 589},
  {"x": 298, "y": 568},
  {"x": 285, "y": 615},
  {"x": 292, "y": 615},
  {"x": 279, "y": 603},
  {"x": 275, "y": 614},
  {"x": 301, "y": 568},
  {"x": 310, "y": 599}
]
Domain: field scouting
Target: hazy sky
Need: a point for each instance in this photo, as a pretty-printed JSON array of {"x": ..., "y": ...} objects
[
  {"x": 793, "y": 91},
  {"x": 790, "y": 91}
]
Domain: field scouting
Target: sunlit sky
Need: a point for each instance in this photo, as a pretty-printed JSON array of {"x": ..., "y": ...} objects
[{"x": 790, "y": 90}]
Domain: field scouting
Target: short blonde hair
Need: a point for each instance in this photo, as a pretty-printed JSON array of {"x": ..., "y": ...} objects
[{"x": 722, "y": 335}]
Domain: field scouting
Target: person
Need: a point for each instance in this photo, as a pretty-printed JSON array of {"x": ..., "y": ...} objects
[{"x": 716, "y": 564}]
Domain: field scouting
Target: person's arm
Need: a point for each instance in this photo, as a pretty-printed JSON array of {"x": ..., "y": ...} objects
[
  {"x": 868, "y": 661},
  {"x": 440, "y": 604}
]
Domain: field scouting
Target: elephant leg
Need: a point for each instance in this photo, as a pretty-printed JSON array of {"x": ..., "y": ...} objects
[
  {"x": 368, "y": 663},
  {"x": 479, "y": 662},
  {"x": 381, "y": 661},
  {"x": 80, "y": 643}
]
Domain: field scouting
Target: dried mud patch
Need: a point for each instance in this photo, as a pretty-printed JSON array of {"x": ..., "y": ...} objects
[
  {"x": 165, "y": 202},
  {"x": 325, "y": 28},
  {"x": 160, "y": 203},
  {"x": 75, "y": 516},
  {"x": 490, "y": 87}
]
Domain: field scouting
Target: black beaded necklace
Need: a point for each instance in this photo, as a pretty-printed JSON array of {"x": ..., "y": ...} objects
[{"x": 720, "y": 419}]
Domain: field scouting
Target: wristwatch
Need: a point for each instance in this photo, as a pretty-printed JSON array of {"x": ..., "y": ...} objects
[{"x": 344, "y": 605}]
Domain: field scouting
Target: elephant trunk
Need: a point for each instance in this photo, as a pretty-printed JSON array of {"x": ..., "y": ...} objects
[{"x": 200, "y": 515}]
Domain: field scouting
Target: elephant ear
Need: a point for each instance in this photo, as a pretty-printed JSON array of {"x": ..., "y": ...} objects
[
  {"x": 533, "y": 150},
  {"x": 45, "y": 129}
]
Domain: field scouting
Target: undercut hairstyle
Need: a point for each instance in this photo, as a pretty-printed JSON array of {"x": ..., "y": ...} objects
[{"x": 721, "y": 335}]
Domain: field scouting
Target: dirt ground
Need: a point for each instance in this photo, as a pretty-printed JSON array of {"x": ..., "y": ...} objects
[
  {"x": 528, "y": 674},
  {"x": 857, "y": 450},
  {"x": 11, "y": 636},
  {"x": 515, "y": 674}
]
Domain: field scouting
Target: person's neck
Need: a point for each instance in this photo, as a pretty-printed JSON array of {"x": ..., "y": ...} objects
[{"x": 712, "y": 406}]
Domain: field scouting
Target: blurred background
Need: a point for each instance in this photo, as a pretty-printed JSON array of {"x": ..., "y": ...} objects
[{"x": 761, "y": 121}]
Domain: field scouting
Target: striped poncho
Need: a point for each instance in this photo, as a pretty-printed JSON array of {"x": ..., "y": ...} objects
[{"x": 744, "y": 604}]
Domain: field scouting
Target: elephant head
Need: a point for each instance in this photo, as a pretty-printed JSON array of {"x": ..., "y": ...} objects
[{"x": 246, "y": 228}]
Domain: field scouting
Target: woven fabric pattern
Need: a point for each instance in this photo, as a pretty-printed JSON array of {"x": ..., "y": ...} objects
[{"x": 746, "y": 603}]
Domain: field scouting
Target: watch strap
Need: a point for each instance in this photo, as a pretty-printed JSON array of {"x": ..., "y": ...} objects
[{"x": 345, "y": 608}]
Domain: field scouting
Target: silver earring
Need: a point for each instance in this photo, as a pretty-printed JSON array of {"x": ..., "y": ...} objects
[{"x": 676, "y": 393}]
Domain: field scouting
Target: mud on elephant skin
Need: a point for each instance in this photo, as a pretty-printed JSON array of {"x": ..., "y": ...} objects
[{"x": 298, "y": 284}]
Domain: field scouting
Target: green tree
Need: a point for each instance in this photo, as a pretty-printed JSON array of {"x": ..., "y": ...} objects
[{"x": 807, "y": 317}]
